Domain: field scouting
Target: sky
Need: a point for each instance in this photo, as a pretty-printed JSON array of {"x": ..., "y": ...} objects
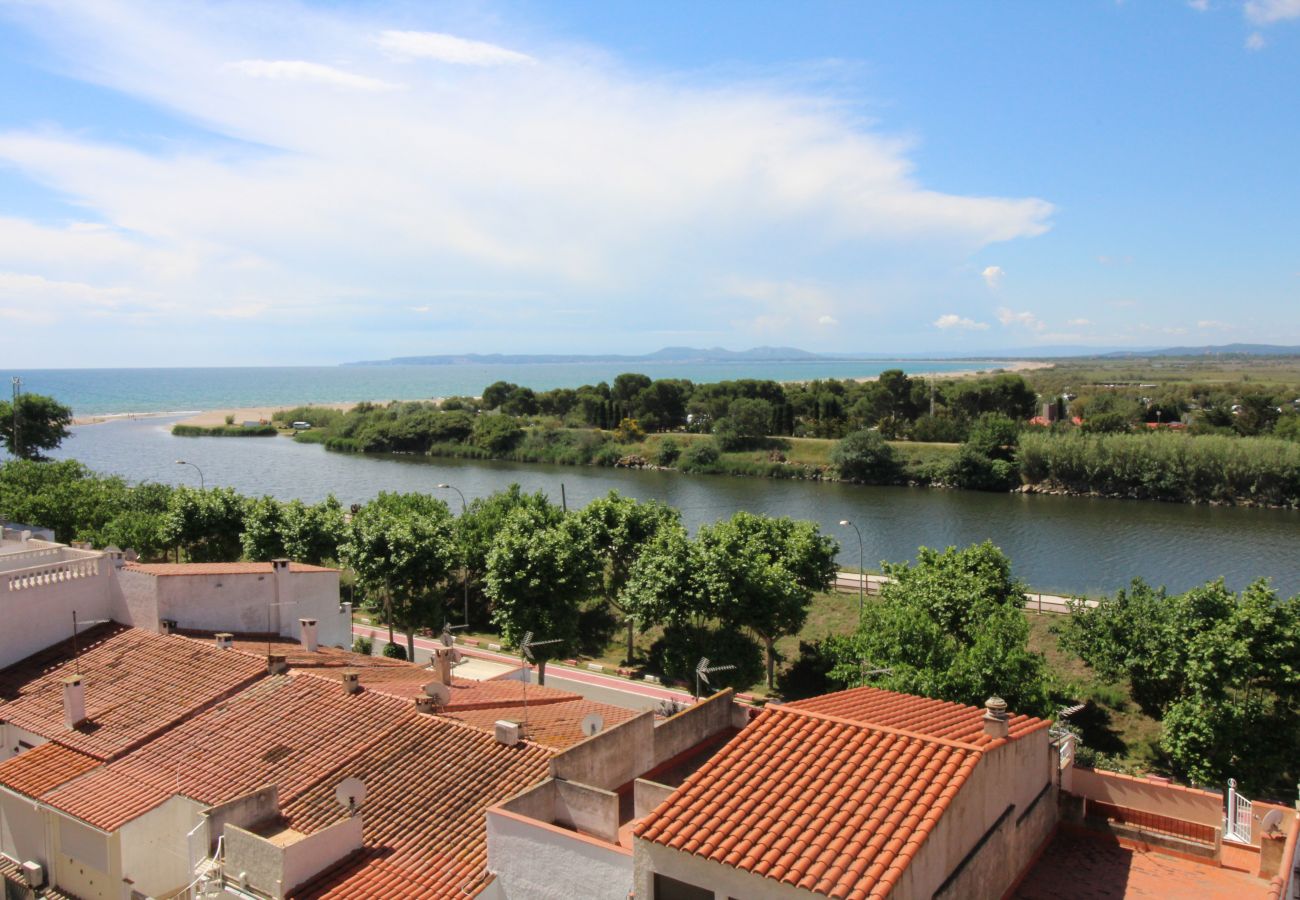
[{"x": 272, "y": 183}]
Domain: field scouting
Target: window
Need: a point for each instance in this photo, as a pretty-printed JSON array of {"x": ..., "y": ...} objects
[{"x": 671, "y": 889}]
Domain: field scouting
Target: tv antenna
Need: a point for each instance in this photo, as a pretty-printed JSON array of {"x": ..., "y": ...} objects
[
  {"x": 448, "y": 636},
  {"x": 593, "y": 724},
  {"x": 864, "y": 672},
  {"x": 350, "y": 794},
  {"x": 703, "y": 670},
  {"x": 89, "y": 623},
  {"x": 526, "y": 656}
]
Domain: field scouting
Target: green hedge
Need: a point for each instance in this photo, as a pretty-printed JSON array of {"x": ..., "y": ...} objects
[{"x": 224, "y": 431}]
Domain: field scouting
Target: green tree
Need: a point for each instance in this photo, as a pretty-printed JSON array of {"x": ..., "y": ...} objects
[
  {"x": 951, "y": 627},
  {"x": 540, "y": 569},
  {"x": 262, "y": 538},
  {"x": 311, "y": 533},
  {"x": 1221, "y": 670},
  {"x": 402, "y": 549},
  {"x": 205, "y": 524},
  {"x": 863, "y": 456},
  {"x": 745, "y": 425},
  {"x": 627, "y": 386},
  {"x": 760, "y": 573},
  {"x": 478, "y": 527},
  {"x": 618, "y": 530},
  {"x": 42, "y": 424},
  {"x": 994, "y": 435},
  {"x": 496, "y": 433}
]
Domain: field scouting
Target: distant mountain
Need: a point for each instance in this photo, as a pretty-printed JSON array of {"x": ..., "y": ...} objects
[
  {"x": 667, "y": 354},
  {"x": 1217, "y": 350}
]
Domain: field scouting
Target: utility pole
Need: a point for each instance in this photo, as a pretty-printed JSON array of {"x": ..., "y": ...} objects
[{"x": 18, "y": 442}]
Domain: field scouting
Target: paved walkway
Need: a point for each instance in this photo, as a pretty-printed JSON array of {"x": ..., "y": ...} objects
[{"x": 849, "y": 582}]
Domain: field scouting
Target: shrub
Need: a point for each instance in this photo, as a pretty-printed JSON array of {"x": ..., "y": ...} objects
[
  {"x": 701, "y": 456},
  {"x": 230, "y": 418},
  {"x": 975, "y": 471},
  {"x": 394, "y": 651},
  {"x": 628, "y": 432},
  {"x": 864, "y": 456},
  {"x": 669, "y": 452},
  {"x": 363, "y": 645},
  {"x": 496, "y": 433}
]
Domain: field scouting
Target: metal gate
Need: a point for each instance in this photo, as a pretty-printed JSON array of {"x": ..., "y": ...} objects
[{"x": 1237, "y": 822}]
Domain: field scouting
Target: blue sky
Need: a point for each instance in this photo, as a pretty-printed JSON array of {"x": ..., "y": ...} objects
[{"x": 279, "y": 183}]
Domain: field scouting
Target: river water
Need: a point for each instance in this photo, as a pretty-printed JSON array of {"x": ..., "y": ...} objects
[{"x": 1057, "y": 544}]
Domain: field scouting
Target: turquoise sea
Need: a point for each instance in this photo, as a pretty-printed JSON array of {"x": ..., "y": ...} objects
[{"x": 120, "y": 391}]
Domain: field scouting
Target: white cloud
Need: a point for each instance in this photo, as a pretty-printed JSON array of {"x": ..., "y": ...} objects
[
  {"x": 827, "y": 320},
  {"x": 1214, "y": 324},
  {"x": 1199, "y": 5},
  {"x": 993, "y": 276},
  {"x": 1078, "y": 323},
  {"x": 302, "y": 71},
  {"x": 1266, "y": 12},
  {"x": 952, "y": 320},
  {"x": 568, "y": 182},
  {"x": 448, "y": 48},
  {"x": 1255, "y": 41},
  {"x": 1022, "y": 319}
]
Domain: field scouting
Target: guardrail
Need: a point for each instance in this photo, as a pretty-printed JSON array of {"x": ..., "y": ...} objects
[
  {"x": 1149, "y": 821},
  {"x": 41, "y": 576}
]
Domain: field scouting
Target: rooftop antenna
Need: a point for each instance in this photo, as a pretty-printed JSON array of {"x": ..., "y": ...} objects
[
  {"x": 448, "y": 637},
  {"x": 865, "y": 673},
  {"x": 525, "y": 657},
  {"x": 703, "y": 670},
  {"x": 350, "y": 794},
  {"x": 76, "y": 653}
]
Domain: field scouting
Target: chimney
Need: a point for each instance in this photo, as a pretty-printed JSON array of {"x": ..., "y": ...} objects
[
  {"x": 351, "y": 681},
  {"x": 442, "y": 664},
  {"x": 225, "y": 640},
  {"x": 276, "y": 664},
  {"x": 280, "y": 578},
  {"x": 307, "y": 629},
  {"x": 167, "y": 626},
  {"x": 995, "y": 717},
  {"x": 424, "y": 704},
  {"x": 507, "y": 732},
  {"x": 74, "y": 701}
]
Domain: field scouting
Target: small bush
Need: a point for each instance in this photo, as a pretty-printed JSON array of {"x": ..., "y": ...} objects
[
  {"x": 864, "y": 456},
  {"x": 363, "y": 645},
  {"x": 230, "y": 418},
  {"x": 701, "y": 456},
  {"x": 394, "y": 651},
  {"x": 669, "y": 452}
]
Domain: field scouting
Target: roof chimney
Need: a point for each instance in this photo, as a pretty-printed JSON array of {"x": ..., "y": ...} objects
[
  {"x": 307, "y": 629},
  {"x": 280, "y": 581},
  {"x": 995, "y": 718},
  {"x": 225, "y": 640},
  {"x": 74, "y": 701},
  {"x": 442, "y": 664},
  {"x": 351, "y": 681},
  {"x": 424, "y": 704},
  {"x": 167, "y": 626},
  {"x": 276, "y": 664}
]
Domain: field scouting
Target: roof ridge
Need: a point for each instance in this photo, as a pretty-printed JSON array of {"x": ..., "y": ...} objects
[{"x": 889, "y": 729}]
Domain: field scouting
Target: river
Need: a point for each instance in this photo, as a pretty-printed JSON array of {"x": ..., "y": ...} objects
[{"x": 1057, "y": 544}]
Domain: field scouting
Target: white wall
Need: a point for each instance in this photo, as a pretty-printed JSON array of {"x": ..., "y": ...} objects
[
  {"x": 36, "y": 604},
  {"x": 22, "y": 829},
  {"x": 533, "y": 860},
  {"x": 14, "y": 739},
  {"x": 155, "y": 852}
]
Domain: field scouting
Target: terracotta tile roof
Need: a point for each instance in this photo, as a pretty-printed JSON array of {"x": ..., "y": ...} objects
[
  {"x": 44, "y": 768},
  {"x": 220, "y": 568},
  {"x": 286, "y": 730},
  {"x": 137, "y": 684},
  {"x": 408, "y": 681},
  {"x": 10, "y": 871},
  {"x": 919, "y": 715},
  {"x": 833, "y": 795},
  {"x": 554, "y": 725},
  {"x": 426, "y": 790},
  {"x": 295, "y": 653}
]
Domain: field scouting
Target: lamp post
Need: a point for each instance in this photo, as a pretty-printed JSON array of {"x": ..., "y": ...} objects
[
  {"x": 862, "y": 572},
  {"x": 463, "y": 509},
  {"x": 202, "y": 484}
]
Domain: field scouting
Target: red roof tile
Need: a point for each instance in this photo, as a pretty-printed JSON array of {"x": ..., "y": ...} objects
[
  {"x": 833, "y": 795},
  {"x": 220, "y": 568},
  {"x": 296, "y": 654},
  {"x": 285, "y": 730},
  {"x": 919, "y": 715},
  {"x": 426, "y": 791},
  {"x": 44, "y": 768},
  {"x": 554, "y": 725},
  {"x": 137, "y": 684}
]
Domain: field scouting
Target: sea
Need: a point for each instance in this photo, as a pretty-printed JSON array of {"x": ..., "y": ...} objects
[{"x": 102, "y": 392}]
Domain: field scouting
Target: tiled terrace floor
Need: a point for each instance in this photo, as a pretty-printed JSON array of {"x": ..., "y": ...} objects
[{"x": 1087, "y": 868}]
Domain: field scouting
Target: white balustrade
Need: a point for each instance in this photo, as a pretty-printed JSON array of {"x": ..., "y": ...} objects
[{"x": 41, "y": 576}]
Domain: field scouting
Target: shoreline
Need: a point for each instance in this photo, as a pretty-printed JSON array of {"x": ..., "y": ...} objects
[{"x": 211, "y": 418}]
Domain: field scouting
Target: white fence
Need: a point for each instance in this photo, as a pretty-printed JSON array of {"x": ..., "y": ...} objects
[{"x": 40, "y": 576}]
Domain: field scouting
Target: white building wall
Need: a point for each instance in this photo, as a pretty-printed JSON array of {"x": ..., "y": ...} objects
[
  {"x": 37, "y": 603},
  {"x": 533, "y": 860},
  {"x": 22, "y": 829},
  {"x": 155, "y": 851}
]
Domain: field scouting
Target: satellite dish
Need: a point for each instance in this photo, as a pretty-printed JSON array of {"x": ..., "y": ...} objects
[
  {"x": 594, "y": 723},
  {"x": 440, "y": 693},
  {"x": 1272, "y": 821},
  {"x": 350, "y": 794}
]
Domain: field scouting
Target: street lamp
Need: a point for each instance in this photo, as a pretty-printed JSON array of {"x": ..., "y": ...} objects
[
  {"x": 202, "y": 483},
  {"x": 862, "y": 572},
  {"x": 463, "y": 509}
]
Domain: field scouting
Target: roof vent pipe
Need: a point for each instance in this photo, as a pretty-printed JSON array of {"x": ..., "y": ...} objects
[
  {"x": 351, "y": 681},
  {"x": 995, "y": 718},
  {"x": 225, "y": 640},
  {"x": 276, "y": 664},
  {"x": 74, "y": 701},
  {"x": 424, "y": 705},
  {"x": 307, "y": 629}
]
